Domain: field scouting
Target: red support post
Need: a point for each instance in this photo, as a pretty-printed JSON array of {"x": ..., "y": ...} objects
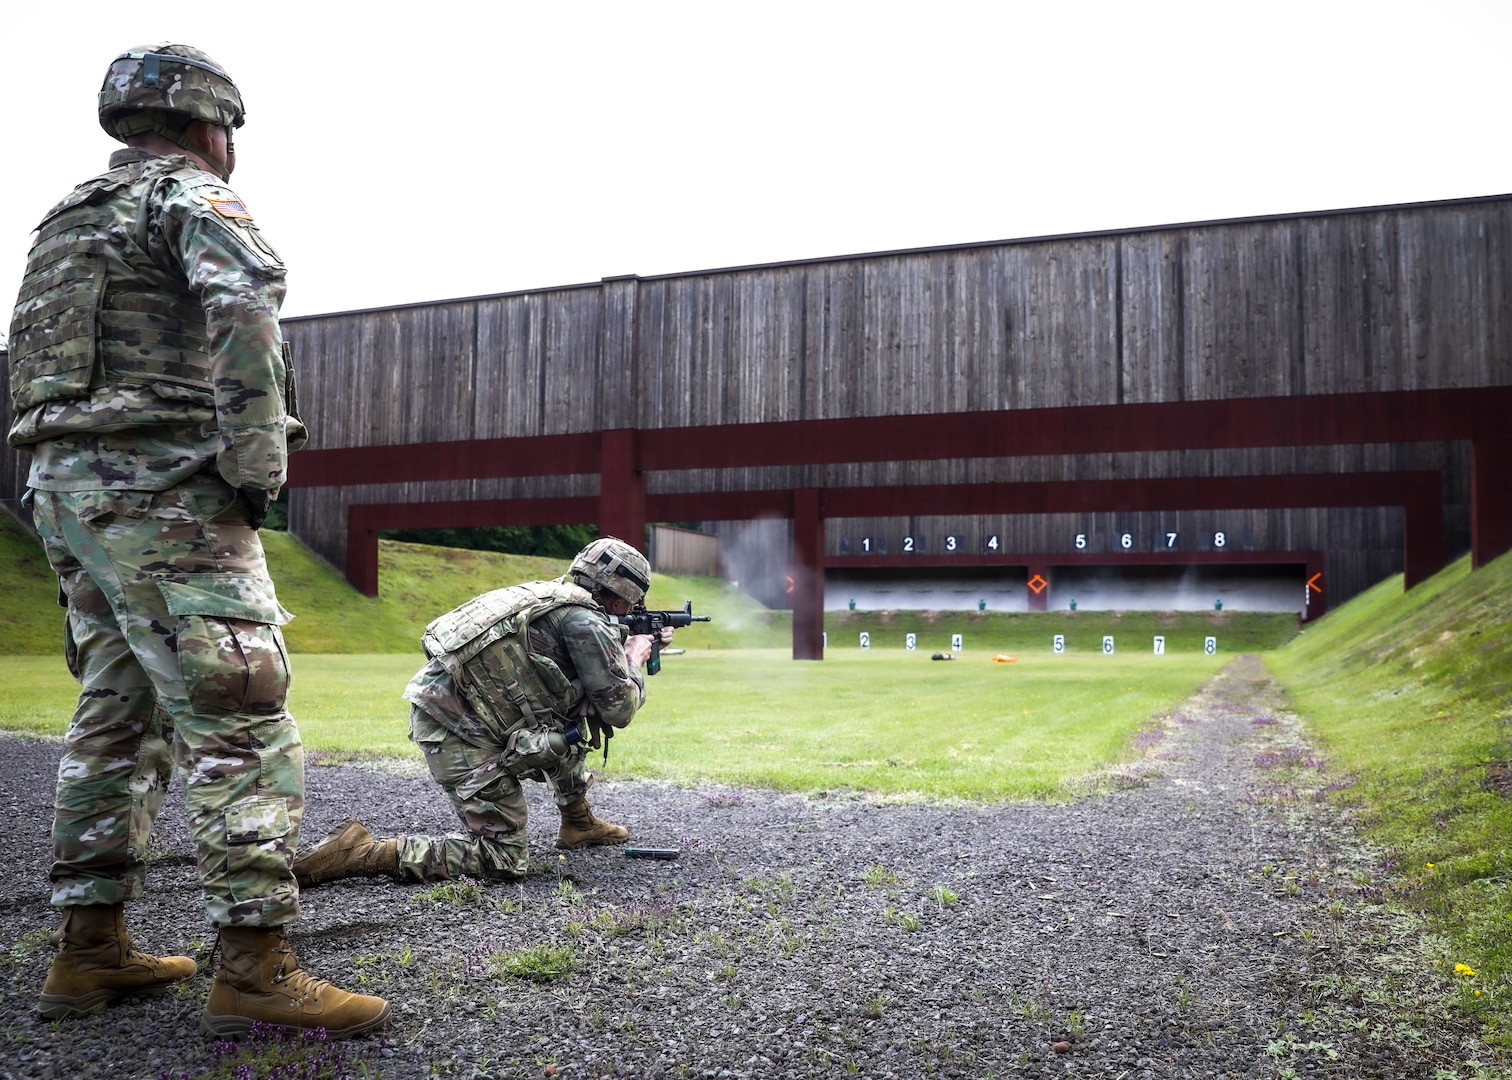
[
  {"x": 622, "y": 488},
  {"x": 362, "y": 552},
  {"x": 1490, "y": 497},
  {"x": 808, "y": 576},
  {"x": 1422, "y": 528}
]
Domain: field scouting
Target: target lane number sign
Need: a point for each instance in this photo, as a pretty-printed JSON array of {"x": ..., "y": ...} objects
[
  {"x": 865, "y": 640},
  {"x": 911, "y": 641},
  {"x": 1159, "y": 645},
  {"x": 955, "y": 643},
  {"x": 1108, "y": 645},
  {"x": 1059, "y": 643}
]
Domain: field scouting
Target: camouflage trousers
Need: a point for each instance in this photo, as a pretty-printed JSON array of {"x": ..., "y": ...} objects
[
  {"x": 489, "y": 801},
  {"x": 172, "y": 630}
]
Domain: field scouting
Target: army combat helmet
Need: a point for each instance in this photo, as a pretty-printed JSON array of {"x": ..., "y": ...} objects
[
  {"x": 164, "y": 87},
  {"x": 612, "y": 565}
]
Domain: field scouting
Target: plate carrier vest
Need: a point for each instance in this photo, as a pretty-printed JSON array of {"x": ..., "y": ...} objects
[
  {"x": 485, "y": 646},
  {"x": 66, "y": 340}
]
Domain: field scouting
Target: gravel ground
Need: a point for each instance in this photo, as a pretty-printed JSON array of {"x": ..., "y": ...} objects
[{"x": 1198, "y": 913}]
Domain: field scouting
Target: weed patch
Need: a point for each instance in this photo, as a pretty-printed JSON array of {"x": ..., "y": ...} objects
[
  {"x": 456, "y": 893},
  {"x": 539, "y": 963}
]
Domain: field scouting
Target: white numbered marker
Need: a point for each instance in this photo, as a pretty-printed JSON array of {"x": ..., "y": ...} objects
[
  {"x": 1081, "y": 541},
  {"x": 1219, "y": 539},
  {"x": 1108, "y": 645},
  {"x": 908, "y": 544},
  {"x": 952, "y": 542},
  {"x": 865, "y": 640},
  {"x": 911, "y": 641},
  {"x": 1210, "y": 645},
  {"x": 1159, "y": 645},
  {"x": 955, "y": 643},
  {"x": 992, "y": 542},
  {"x": 1059, "y": 644},
  {"x": 1127, "y": 540},
  {"x": 1171, "y": 539},
  {"x": 866, "y": 544}
]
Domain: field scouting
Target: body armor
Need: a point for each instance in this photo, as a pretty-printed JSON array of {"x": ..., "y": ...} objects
[
  {"x": 485, "y": 646},
  {"x": 94, "y": 308}
]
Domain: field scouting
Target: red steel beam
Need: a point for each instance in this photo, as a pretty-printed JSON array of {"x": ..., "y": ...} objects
[
  {"x": 1080, "y": 558},
  {"x": 1229, "y": 423},
  {"x": 465, "y": 459}
]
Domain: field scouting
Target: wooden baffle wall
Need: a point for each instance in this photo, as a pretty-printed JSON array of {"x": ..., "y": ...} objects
[{"x": 682, "y": 552}]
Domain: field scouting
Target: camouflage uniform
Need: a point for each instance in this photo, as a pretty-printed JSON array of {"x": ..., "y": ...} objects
[
  {"x": 151, "y": 387},
  {"x": 473, "y": 742}
]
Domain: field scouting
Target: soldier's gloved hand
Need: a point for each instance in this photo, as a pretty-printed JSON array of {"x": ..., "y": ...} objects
[
  {"x": 601, "y": 732},
  {"x": 257, "y": 501}
]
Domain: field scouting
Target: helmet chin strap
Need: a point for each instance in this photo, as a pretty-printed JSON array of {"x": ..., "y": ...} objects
[
  {"x": 229, "y": 161},
  {"x": 221, "y": 168}
]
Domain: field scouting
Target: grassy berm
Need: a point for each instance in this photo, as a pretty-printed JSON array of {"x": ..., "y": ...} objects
[
  {"x": 417, "y": 582},
  {"x": 1409, "y": 695}
]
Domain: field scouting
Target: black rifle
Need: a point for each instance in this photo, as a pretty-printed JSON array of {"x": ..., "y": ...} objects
[{"x": 641, "y": 621}]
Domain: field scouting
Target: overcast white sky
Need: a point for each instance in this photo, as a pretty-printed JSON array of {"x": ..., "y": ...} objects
[{"x": 440, "y": 149}]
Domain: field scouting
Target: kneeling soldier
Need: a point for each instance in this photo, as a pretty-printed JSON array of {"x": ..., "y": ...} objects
[{"x": 521, "y": 684}]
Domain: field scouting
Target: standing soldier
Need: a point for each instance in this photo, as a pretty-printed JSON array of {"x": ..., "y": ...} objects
[
  {"x": 151, "y": 387},
  {"x": 522, "y": 682}
]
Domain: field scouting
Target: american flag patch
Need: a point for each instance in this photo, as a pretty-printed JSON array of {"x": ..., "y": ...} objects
[{"x": 231, "y": 208}]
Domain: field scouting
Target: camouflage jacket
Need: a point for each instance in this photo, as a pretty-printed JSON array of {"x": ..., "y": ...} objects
[
  {"x": 145, "y": 344},
  {"x": 575, "y": 639}
]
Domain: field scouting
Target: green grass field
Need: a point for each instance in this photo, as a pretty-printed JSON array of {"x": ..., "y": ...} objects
[
  {"x": 894, "y": 723},
  {"x": 899, "y": 725}
]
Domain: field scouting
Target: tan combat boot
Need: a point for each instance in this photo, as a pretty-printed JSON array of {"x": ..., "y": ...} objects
[
  {"x": 96, "y": 963},
  {"x": 581, "y": 829},
  {"x": 348, "y": 850},
  {"x": 260, "y": 981}
]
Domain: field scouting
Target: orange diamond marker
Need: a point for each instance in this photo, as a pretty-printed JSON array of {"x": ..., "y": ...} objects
[{"x": 1038, "y": 584}]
